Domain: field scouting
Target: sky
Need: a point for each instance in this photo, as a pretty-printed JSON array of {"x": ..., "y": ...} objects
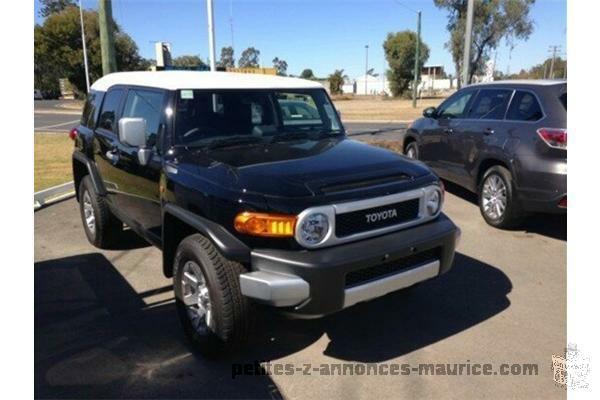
[{"x": 323, "y": 35}]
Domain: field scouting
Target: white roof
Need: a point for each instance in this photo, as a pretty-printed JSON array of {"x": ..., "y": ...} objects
[
  {"x": 540, "y": 82},
  {"x": 173, "y": 80}
]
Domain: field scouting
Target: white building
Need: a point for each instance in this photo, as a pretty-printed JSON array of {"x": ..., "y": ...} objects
[
  {"x": 433, "y": 78},
  {"x": 370, "y": 85}
]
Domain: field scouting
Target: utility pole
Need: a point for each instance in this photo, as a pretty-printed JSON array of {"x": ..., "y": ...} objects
[
  {"x": 85, "y": 61},
  {"x": 107, "y": 42},
  {"x": 366, "y": 67},
  {"x": 554, "y": 50},
  {"x": 468, "y": 39},
  {"x": 231, "y": 21},
  {"x": 417, "y": 56},
  {"x": 211, "y": 34}
]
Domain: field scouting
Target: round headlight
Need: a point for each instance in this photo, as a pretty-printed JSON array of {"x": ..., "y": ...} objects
[
  {"x": 313, "y": 228},
  {"x": 433, "y": 202}
]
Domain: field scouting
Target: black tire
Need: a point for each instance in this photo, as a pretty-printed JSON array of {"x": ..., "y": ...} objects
[
  {"x": 106, "y": 226},
  {"x": 231, "y": 312},
  {"x": 511, "y": 216},
  {"x": 412, "y": 148}
]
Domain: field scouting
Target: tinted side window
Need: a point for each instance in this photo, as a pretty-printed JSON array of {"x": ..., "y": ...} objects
[
  {"x": 524, "y": 107},
  {"x": 110, "y": 107},
  {"x": 145, "y": 104},
  {"x": 89, "y": 109},
  {"x": 563, "y": 100},
  {"x": 490, "y": 104},
  {"x": 456, "y": 105}
]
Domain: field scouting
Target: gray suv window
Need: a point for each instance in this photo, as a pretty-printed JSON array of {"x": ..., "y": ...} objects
[
  {"x": 490, "y": 104},
  {"x": 524, "y": 107},
  {"x": 455, "y": 106}
]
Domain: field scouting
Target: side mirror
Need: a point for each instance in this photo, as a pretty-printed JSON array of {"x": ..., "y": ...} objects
[
  {"x": 132, "y": 131},
  {"x": 430, "y": 112}
]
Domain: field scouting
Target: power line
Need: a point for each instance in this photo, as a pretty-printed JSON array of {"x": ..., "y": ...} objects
[{"x": 405, "y": 6}]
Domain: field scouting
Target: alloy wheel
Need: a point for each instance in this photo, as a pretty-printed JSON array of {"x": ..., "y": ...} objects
[
  {"x": 494, "y": 197},
  {"x": 88, "y": 213},
  {"x": 196, "y": 297}
]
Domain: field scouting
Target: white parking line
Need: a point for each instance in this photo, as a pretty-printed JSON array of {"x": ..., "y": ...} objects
[{"x": 54, "y": 126}]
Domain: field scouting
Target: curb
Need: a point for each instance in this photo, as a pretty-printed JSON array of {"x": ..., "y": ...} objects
[
  {"x": 63, "y": 112},
  {"x": 52, "y": 195}
]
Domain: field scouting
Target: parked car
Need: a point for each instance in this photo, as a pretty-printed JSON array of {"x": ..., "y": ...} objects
[
  {"x": 37, "y": 94},
  {"x": 248, "y": 205},
  {"x": 505, "y": 141}
]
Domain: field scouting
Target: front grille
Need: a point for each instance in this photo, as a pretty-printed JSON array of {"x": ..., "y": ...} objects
[
  {"x": 362, "y": 276},
  {"x": 357, "y": 221}
]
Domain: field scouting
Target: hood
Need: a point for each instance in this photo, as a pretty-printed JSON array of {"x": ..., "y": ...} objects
[{"x": 310, "y": 167}]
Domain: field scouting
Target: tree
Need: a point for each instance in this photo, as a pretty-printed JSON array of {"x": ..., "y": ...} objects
[
  {"x": 281, "y": 66},
  {"x": 307, "y": 73},
  {"x": 188, "y": 61},
  {"x": 493, "y": 21},
  {"x": 539, "y": 71},
  {"x": 336, "y": 81},
  {"x": 58, "y": 50},
  {"x": 49, "y": 7},
  {"x": 399, "y": 49},
  {"x": 249, "y": 58},
  {"x": 227, "y": 60}
]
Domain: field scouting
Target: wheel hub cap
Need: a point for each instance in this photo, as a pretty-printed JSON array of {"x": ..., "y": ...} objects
[
  {"x": 494, "y": 197},
  {"x": 88, "y": 213},
  {"x": 196, "y": 297}
]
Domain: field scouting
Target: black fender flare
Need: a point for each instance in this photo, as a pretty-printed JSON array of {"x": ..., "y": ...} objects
[
  {"x": 228, "y": 245},
  {"x": 92, "y": 171}
]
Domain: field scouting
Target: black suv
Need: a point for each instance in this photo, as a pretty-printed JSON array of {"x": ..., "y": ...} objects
[
  {"x": 253, "y": 192},
  {"x": 506, "y": 141}
]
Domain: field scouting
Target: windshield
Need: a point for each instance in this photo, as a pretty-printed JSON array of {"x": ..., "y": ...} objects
[{"x": 209, "y": 117}]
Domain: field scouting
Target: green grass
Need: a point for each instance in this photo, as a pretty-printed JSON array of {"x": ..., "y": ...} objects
[{"x": 52, "y": 160}]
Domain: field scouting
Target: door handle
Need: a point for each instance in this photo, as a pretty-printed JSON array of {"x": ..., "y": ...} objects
[
  {"x": 489, "y": 131},
  {"x": 448, "y": 130},
  {"x": 112, "y": 156}
]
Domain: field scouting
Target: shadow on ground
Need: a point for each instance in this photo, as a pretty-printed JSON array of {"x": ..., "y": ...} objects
[
  {"x": 550, "y": 225},
  {"x": 96, "y": 337}
]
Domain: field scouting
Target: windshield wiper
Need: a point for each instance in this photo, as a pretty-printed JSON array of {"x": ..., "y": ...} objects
[
  {"x": 233, "y": 141},
  {"x": 290, "y": 136}
]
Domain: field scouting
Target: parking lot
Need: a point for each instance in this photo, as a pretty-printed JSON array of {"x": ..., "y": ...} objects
[{"x": 105, "y": 322}]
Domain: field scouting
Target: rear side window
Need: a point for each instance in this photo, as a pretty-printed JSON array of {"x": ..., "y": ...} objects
[
  {"x": 524, "y": 107},
  {"x": 490, "y": 104},
  {"x": 110, "y": 107},
  {"x": 88, "y": 118},
  {"x": 563, "y": 100},
  {"x": 145, "y": 104}
]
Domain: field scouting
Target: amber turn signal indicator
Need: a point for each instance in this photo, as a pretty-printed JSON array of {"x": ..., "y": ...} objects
[{"x": 263, "y": 224}]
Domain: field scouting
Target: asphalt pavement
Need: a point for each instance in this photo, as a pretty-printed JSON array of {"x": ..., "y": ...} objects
[{"x": 106, "y": 326}]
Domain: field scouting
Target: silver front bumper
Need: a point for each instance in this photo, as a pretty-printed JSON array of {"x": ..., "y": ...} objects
[
  {"x": 281, "y": 290},
  {"x": 388, "y": 284}
]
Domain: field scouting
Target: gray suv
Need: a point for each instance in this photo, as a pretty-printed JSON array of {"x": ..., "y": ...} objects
[{"x": 505, "y": 141}]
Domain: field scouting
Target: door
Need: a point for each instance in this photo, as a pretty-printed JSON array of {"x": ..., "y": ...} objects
[
  {"x": 105, "y": 141},
  {"x": 138, "y": 195},
  {"x": 437, "y": 145},
  {"x": 483, "y": 133}
]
